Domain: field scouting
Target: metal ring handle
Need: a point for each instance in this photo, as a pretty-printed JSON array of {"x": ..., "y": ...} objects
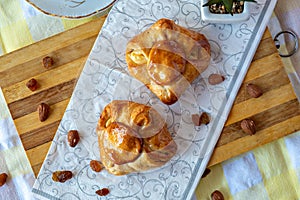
[{"x": 277, "y": 43}]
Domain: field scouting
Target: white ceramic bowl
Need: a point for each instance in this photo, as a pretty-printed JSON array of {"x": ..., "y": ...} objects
[
  {"x": 72, "y": 8},
  {"x": 209, "y": 17}
]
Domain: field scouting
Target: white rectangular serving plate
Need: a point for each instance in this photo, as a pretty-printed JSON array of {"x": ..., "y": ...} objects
[{"x": 105, "y": 78}]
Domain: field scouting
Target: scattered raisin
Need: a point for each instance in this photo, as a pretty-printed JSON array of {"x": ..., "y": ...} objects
[
  {"x": 215, "y": 79},
  {"x": 217, "y": 195},
  {"x": 61, "y": 176},
  {"x": 196, "y": 119},
  {"x": 253, "y": 90},
  {"x": 32, "y": 84},
  {"x": 103, "y": 192},
  {"x": 3, "y": 178},
  {"x": 73, "y": 138},
  {"x": 48, "y": 62},
  {"x": 200, "y": 119},
  {"x": 248, "y": 126},
  {"x": 96, "y": 165},
  {"x": 204, "y": 118},
  {"x": 205, "y": 173},
  {"x": 44, "y": 110}
]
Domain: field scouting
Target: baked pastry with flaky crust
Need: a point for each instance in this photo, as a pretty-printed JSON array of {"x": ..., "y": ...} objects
[
  {"x": 167, "y": 58},
  {"x": 133, "y": 137}
]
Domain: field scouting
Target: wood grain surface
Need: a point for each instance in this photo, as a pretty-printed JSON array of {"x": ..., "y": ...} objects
[{"x": 276, "y": 113}]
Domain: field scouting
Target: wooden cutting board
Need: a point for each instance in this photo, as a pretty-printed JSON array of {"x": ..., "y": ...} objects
[{"x": 276, "y": 113}]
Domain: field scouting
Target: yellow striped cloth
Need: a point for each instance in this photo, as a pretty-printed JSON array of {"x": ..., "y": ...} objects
[
  {"x": 21, "y": 25},
  {"x": 268, "y": 172},
  {"x": 13, "y": 160}
]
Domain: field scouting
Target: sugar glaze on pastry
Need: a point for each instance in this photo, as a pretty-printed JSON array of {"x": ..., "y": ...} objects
[
  {"x": 133, "y": 137},
  {"x": 167, "y": 58}
]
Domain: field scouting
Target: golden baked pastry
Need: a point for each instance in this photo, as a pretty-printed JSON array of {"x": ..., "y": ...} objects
[
  {"x": 133, "y": 137},
  {"x": 167, "y": 58}
]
